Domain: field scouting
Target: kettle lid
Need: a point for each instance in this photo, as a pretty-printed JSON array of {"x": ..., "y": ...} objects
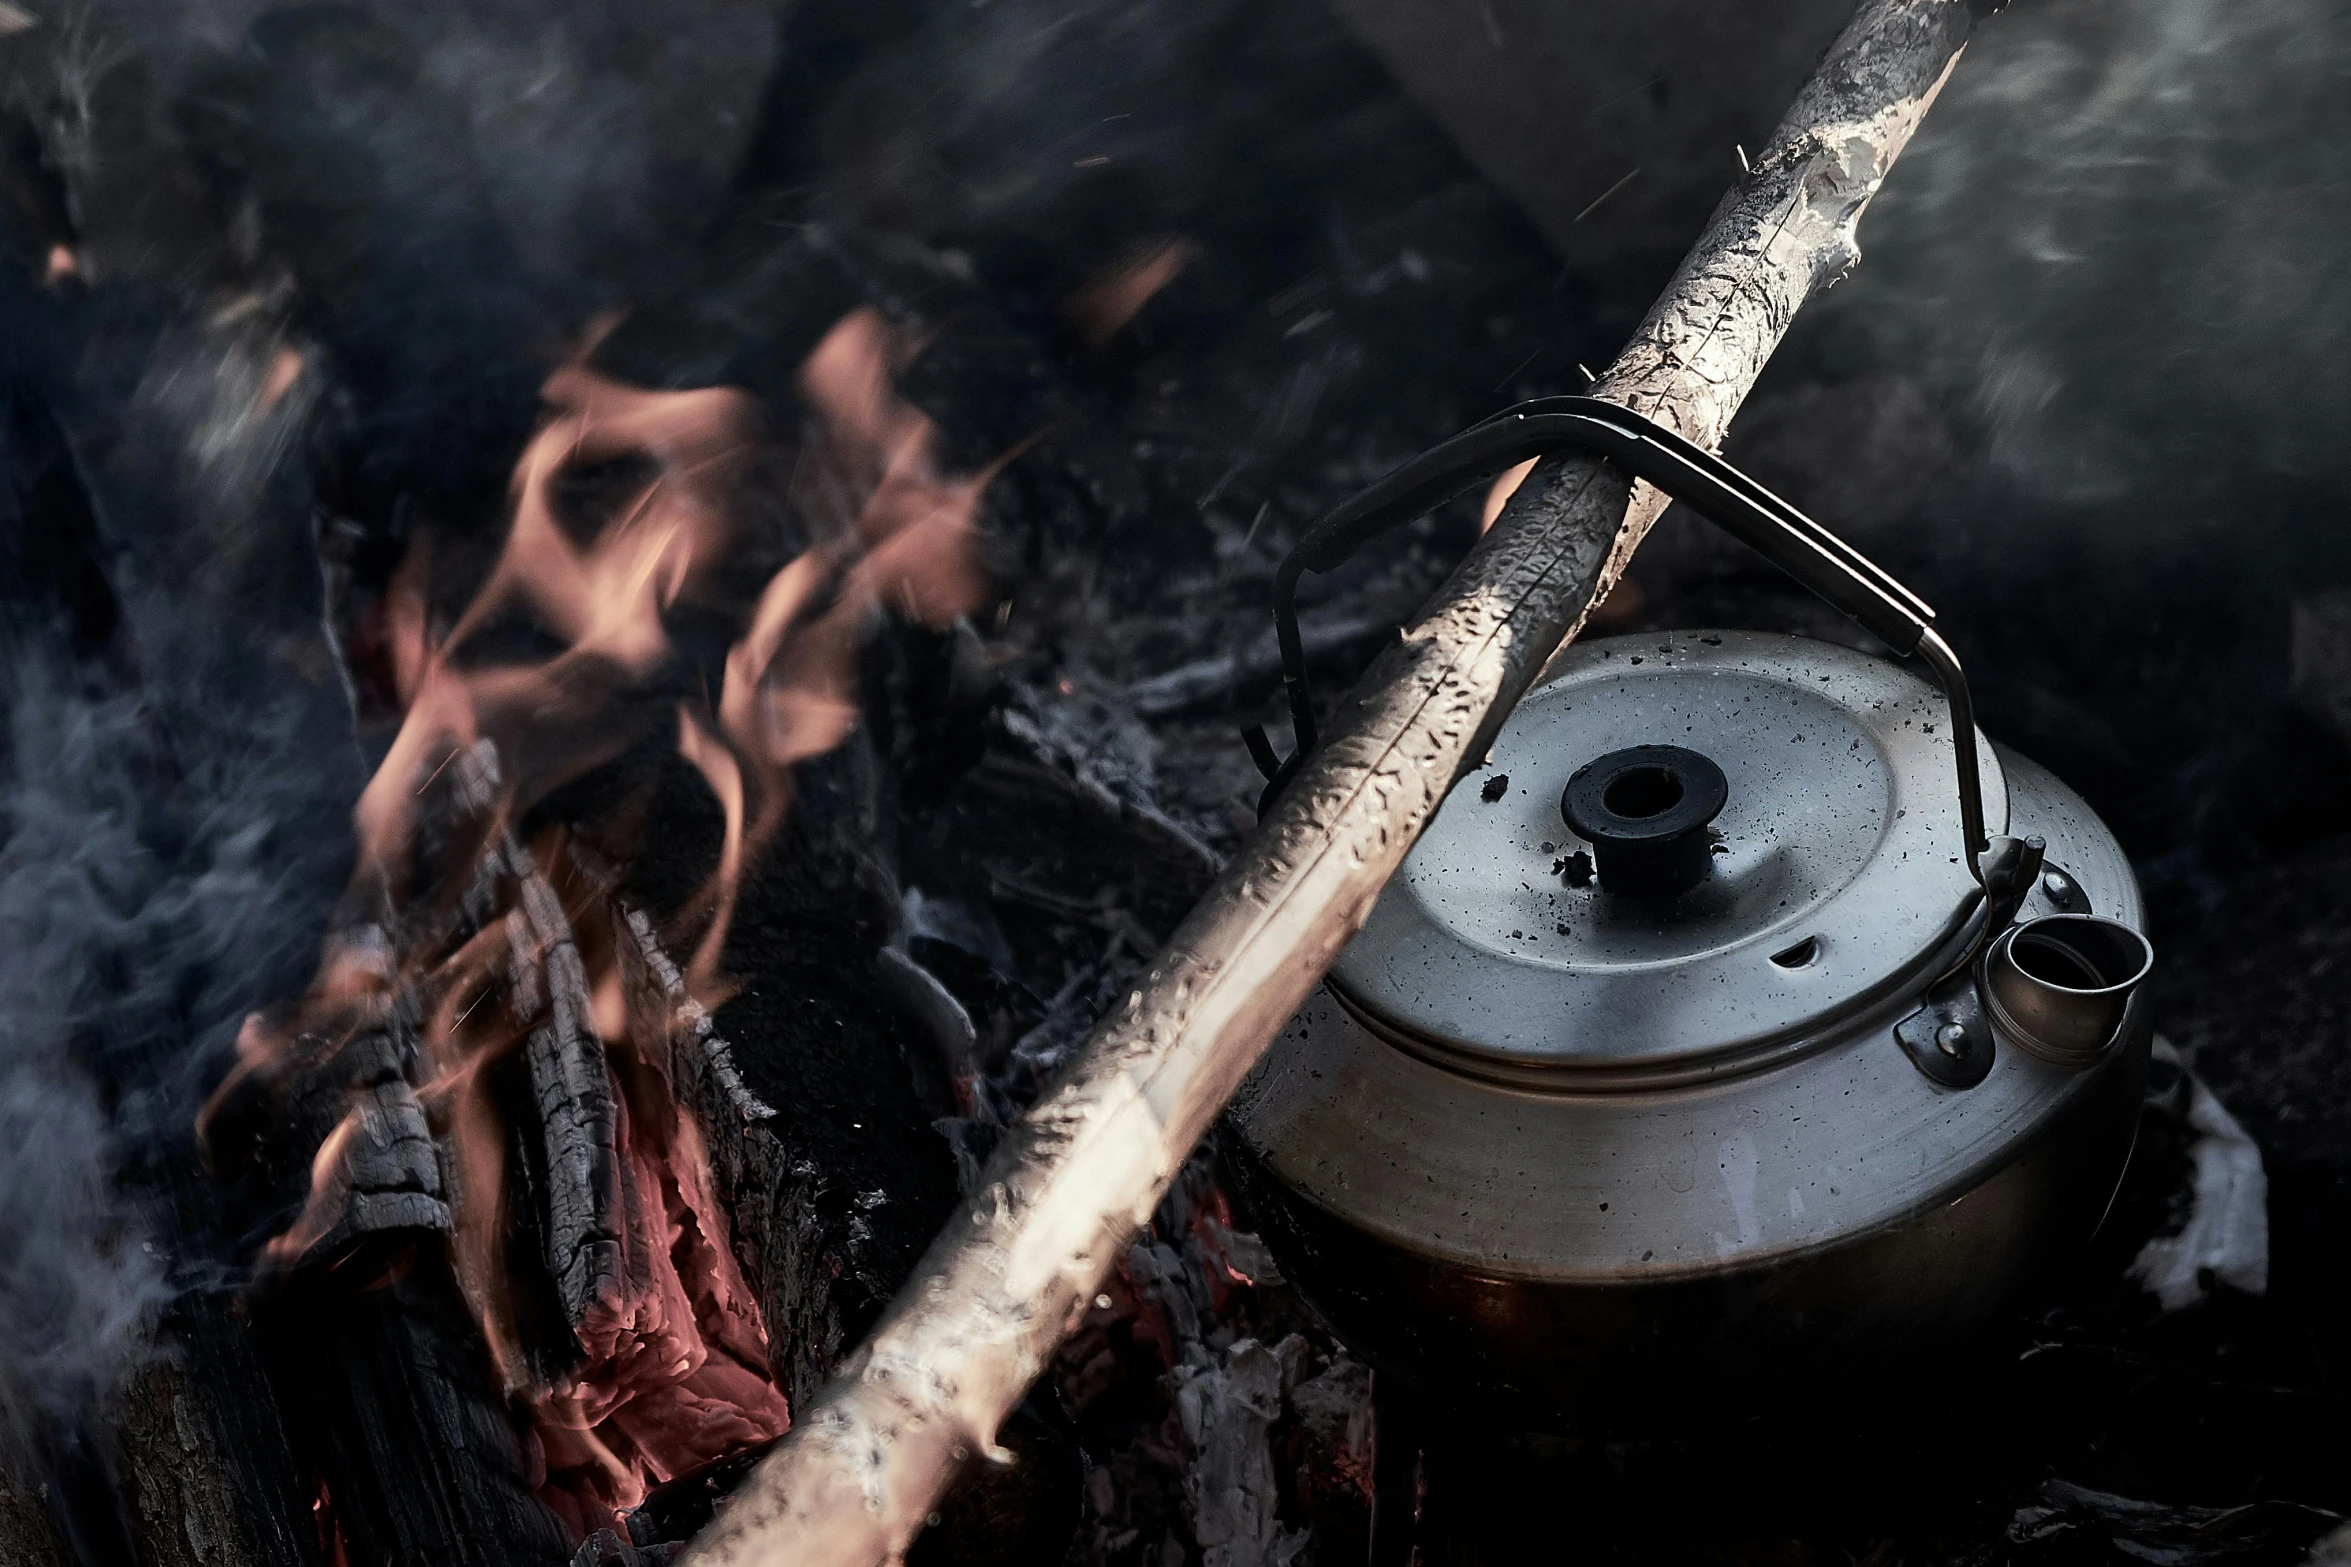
[{"x": 1828, "y": 880}]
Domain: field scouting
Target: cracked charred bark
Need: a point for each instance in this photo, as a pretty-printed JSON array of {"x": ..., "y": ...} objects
[
  {"x": 1000, "y": 1288},
  {"x": 577, "y": 1116}
]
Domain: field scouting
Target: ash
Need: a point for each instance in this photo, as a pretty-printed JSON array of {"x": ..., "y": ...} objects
[{"x": 280, "y": 286}]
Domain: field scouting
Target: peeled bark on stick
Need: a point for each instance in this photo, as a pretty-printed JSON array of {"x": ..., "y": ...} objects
[{"x": 1013, "y": 1273}]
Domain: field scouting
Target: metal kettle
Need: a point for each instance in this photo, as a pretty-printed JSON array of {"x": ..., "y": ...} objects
[{"x": 1753, "y": 1020}]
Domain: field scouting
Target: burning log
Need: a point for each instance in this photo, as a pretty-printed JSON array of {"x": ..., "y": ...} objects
[
  {"x": 522, "y": 1193},
  {"x": 1000, "y": 1288}
]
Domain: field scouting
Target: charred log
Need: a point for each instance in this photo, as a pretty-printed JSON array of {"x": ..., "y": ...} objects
[
  {"x": 573, "y": 1095},
  {"x": 823, "y": 1152},
  {"x": 404, "y": 1420},
  {"x": 27, "y": 1533},
  {"x": 208, "y": 1472}
]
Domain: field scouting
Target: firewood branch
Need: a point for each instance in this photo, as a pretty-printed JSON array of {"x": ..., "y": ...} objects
[{"x": 1018, "y": 1266}]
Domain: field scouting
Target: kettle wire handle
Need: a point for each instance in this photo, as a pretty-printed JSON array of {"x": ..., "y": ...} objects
[{"x": 1840, "y": 574}]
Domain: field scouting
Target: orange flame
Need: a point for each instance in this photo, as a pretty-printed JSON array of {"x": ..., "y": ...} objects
[
  {"x": 1498, "y": 493},
  {"x": 671, "y": 1369},
  {"x": 1103, "y": 307}
]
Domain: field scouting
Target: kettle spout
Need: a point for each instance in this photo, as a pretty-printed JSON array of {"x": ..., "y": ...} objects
[{"x": 2059, "y": 986}]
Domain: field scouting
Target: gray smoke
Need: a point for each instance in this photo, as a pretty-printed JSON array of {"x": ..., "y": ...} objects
[
  {"x": 79, "y": 1267},
  {"x": 601, "y": 136},
  {"x": 176, "y": 773},
  {"x": 2116, "y": 252}
]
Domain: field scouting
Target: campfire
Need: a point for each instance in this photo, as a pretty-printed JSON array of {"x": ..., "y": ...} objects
[{"x": 634, "y": 885}]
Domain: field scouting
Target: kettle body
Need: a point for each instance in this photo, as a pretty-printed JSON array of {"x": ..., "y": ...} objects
[{"x": 1611, "y": 1135}]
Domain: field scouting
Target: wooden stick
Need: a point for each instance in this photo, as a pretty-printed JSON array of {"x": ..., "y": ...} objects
[{"x": 1019, "y": 1265}]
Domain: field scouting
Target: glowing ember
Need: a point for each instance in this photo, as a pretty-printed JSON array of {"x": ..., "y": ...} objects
[{"x": 481, "y": 984}]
